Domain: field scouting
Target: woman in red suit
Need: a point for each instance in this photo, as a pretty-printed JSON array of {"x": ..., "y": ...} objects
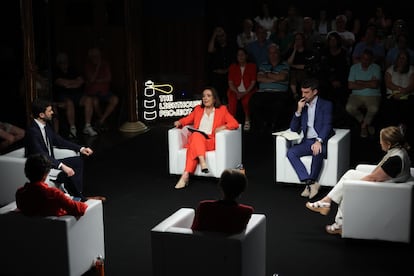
[
  {"x": 224, "y": 215},
  {"x": 242, "y": 85},
  {"x": 210, "y": 117}
]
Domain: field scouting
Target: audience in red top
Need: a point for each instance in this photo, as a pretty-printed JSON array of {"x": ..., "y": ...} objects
[
  {"x": 242, "y": 85},
  {"x": 36, "y": 198},
  {"x": 225, "y": 215}
]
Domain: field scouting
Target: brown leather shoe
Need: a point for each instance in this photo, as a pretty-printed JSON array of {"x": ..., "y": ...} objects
[{"x": 102, "y": 198}]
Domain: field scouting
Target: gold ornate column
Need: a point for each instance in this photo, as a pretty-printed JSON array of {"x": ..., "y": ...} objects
[{"x": 133, "y": 57}]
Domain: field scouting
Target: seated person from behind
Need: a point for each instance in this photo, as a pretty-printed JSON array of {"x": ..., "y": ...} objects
[
  {"x": 394, "y": 167},
  {"x": 210, "y": 117},
  {"x": 9, "y": 135},
  {"x": 225, "y": 215},
  {"x": 313, "y": 116},
  {"x": 36, "y": 198},
  {"x": 98, "y": 78}
]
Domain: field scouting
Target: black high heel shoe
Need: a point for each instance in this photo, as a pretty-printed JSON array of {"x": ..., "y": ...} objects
[{"x": 204, "y": 167}]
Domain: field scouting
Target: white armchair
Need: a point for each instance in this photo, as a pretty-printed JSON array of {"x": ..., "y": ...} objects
[
  {"x": 50, "y": 245},
  {"x": 334, "y": 166},
  {"x": 177, "y": 250},
  {"x": 378, "y": 211},
  {"x": 12, "y": 172},
  {"x": 228, "y": 152}
]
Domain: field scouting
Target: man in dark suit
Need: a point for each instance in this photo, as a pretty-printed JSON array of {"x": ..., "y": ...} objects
[
  {"x": 41, "y": 138},
  {"x": 313, "y": 116}
]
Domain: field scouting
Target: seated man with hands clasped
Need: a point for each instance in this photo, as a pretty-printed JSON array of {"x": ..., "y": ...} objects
[
  {"x": 36, "y": 198},
  {"x": 225, "y": 215},
  {"x": 313, "y": 116},
  {"x": 394, "y": 167},
  {"x": 209, "y": 117},
  {"x": 40, "y": 138}
]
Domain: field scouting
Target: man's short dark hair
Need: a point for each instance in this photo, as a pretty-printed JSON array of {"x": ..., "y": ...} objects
[
  {"x": 36, "y": 166},
  {"x": 311, "y": 83},
  {"x": 40, "y": 105}
]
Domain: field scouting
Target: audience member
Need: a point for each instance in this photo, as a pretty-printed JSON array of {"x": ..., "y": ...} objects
[
  {"x": 220, "y": 54},
  {"x": 242, "y": 85},
  {"x": 40, "y": 138},
  {"x": 312, "y": 36},
  {"x": 399, "y": 82},
  {"x": 295, "y": 20},
  {"x": 247, "y": 35},
  {"x": 9, "y": 135},
  {"x": 209, "y": 117},
  {"x": 364, "y": 80},
  {"x": 68, "y": 91},
  {"x": 402, "y": 45},
  {"x": 382, "y": 21},
  {"x": 369, "y": 42},
  {"x": 98, "y": 78},
  {"x": 333, "y": 74},
  {"x": 394, "y": 167},
  {"x": 353, "y": 24},
  {"x": 298, "y": 59},
  {"x": 323, "y": 24},
  {"x": 348, "y": 38},
  {"x": 399, "y": 27},
  {"x": 271, "y": 103},
  {"x": 36, "y": 198},
  {"x": 282, "y": 36},
  {"x": 225, "y": 215},
  {"x": 265, "y": 18},
  {"x": 313, "y": 117},
  {"x": 258, "y": 49}
]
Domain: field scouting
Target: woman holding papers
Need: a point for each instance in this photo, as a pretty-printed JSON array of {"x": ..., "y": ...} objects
[{"x": 209, "y": 117}]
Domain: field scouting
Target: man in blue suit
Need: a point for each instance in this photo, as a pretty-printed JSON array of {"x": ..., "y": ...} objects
[
  {"x": 41, "y": 138},
  {"x": 314, "y": 117}
]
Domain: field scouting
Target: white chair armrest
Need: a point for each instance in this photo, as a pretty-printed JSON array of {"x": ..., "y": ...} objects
[
  {"x": 365, "y": 168},
  {"x": 182, "y": 218},
  {"x": 64, "y": 153},
  {"x": 339, "y": 147},
  {"x": 228, "y": 148}
]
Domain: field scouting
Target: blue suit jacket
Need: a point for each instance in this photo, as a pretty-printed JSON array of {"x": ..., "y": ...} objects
[
  {"x": 322, "y": 123},
  {"x": 34, "y": 142}
]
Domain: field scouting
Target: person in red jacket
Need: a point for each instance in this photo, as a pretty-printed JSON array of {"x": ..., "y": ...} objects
[
  {"x": 225, "y": 215},
  {"x": 36, "y": 198},
  {"x": 242, "y": 85},
  {"x": 209, "y": 117}
]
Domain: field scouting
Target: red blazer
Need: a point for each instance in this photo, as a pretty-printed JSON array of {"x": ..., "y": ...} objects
[
  {"x": 223, "y": 216},
  {"x": 221, "y": 117},
  {"x": 249, "y": 75}
]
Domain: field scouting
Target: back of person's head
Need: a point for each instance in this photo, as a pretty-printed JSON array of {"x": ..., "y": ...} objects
[
  {"x": 39, "y": 105},
  {"x": 394, "y": 136},
  {"x": 36, "y": 167},
  {"x": 232, "y": 182}
]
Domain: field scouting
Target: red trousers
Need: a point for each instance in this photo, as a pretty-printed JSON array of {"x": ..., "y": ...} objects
[
  {"x": 232, "y": 102},
  {"x": 197, "y": 146}
]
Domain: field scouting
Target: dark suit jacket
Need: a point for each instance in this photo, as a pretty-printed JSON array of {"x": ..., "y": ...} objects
[
  {"x": 322, "y": 123},
  {"x": 34, "y": 142}
]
